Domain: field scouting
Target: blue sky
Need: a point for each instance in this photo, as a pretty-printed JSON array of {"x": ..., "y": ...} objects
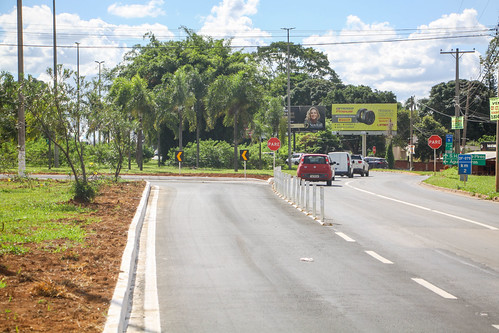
[{"x": 387, "y": 45}]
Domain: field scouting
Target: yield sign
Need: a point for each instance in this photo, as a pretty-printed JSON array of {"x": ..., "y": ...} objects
[{"x": 435, "y": 142}]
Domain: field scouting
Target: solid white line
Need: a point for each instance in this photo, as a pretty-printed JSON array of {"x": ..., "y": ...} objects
[
  {"x": 496, "y": 326},
  {"x": 378, "y": 257},
  {"x": 151, "y": 304},
  {"x": 345, "y": 237},
  {"x": 434, "y": 288},
  {"x": 425, "y": 208}
]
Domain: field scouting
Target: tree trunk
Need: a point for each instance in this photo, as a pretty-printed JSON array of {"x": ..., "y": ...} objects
[{"x": 235, "y": 142}]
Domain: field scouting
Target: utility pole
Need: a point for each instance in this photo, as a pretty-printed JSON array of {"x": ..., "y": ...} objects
[
  {"x": 100, "y": 63},
  {"x": 497, "y": 143},
  {"x": 78, "y": 83},
  {"x": 289, "y": 104},
  {"x": 56, "y": 149},
  {"x": 411, "y": 141},
  {"x": 21, "y": 121},
  {"x": 457, "y": 132}
]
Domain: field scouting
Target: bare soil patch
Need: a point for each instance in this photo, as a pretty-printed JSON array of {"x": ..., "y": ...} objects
[{"x": 70, "y": 291}]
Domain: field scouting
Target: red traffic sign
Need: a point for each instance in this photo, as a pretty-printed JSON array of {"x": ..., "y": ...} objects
[
  {"x": 435, "y": 142},
  {"x": 274, "y": 143}
]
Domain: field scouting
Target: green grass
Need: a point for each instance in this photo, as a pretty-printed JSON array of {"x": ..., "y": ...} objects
[
  {"x": 149, "y": 168},
  {"x": 482, "y": 185},
  {"x": 29, "y": 213}
]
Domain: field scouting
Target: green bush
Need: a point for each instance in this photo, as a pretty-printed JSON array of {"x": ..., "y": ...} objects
[
  {"x": 212, "y": 154},
  {"x": 83, "y": 191},
  {"x": 8, "y": 156}
]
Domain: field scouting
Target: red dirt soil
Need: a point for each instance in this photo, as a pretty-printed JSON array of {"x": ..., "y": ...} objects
[{"x": 70, "y": 291}]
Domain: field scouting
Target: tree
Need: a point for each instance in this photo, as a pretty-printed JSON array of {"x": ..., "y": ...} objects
[
  {"x": 182, "y": 99},
  {"x": 136, "y": 100},
  {"x": 63, "y": 123},
  {"x": 236, "y": 97},
  {"x": 423, "y": 130}
]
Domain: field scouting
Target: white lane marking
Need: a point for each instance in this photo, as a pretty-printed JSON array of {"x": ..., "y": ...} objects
[
  {"x": 496, "y": 326},
  {"x": 434, "y": 288},
  {"x": 378, "y": 257},
  {"x": 151, "y": 303},
  {"x": 345, "y": 237},
  {"x": 425, "y": 208}
]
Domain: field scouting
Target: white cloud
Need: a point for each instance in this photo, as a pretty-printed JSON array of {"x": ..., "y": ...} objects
[
  {"x": 408, "y": 67},
  {"x": 231, "y": 18},
  {"x": 152, "y": 9},
  {"x": 99, "y": 41}
]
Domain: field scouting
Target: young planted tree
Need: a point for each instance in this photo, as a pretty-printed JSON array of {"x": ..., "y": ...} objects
[{"x": 64, "y": 123}]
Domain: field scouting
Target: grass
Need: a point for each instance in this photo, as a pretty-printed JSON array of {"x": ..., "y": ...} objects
[
  {"x": 31, "y": 212},
  {"x": 475, "y": 185},
  {"x": 148, "y": 168}
]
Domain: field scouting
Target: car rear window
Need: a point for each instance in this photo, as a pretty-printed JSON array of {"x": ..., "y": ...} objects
[{"x": 314, "y": 160}]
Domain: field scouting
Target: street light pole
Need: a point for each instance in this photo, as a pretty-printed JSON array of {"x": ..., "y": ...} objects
[{"x": 289, "y": 103}]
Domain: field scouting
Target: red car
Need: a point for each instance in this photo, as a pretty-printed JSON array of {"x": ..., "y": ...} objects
[{"x": 316, "y": 167}]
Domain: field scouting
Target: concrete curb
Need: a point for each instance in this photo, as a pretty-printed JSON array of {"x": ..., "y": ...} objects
[{"x": 121, "y": 302}]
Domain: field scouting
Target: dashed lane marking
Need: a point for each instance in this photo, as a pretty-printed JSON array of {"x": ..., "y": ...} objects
[
  {"x": 378, "y": 257},
  {"x": 345, "y": 237},
  {"x": 434, "y": 288}
]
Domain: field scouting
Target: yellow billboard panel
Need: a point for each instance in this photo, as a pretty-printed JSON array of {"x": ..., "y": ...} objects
[{"x": 374, "y": 118}]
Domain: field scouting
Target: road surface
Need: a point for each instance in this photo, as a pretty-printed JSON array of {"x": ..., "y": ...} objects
[{"x": 231, "y": 256}]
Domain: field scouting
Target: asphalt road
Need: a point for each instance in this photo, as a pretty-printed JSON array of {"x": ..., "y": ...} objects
[{"x": 231, "y": 256}]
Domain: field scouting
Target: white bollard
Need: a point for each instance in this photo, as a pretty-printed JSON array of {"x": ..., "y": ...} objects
[
  {"x": 314, "y": 201},
  {"x": 322, "y": 204}
]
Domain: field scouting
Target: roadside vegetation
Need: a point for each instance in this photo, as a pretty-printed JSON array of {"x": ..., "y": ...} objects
[
  {"x": 31, "y": 212},
  {"x": 482, "y": 186}
]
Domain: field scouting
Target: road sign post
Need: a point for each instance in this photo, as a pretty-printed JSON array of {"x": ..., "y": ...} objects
[
  {"x": 464, "y": 166},
  {"x": 179, "y": 156},
  {"x": 244, "y": 155},
  {"x": 434, "y": 142},
  {"x": 274, "y": 144}
]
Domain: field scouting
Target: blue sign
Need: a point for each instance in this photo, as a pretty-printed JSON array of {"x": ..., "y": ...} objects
[
  {"x": 464, "y": 164},
  {"x": 449, "y": 138}
]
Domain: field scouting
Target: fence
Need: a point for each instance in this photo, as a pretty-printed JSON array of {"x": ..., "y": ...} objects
[{"x": 300, "y": 192}]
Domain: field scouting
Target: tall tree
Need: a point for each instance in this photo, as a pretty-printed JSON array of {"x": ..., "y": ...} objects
[{"x": 236, "y": 97}]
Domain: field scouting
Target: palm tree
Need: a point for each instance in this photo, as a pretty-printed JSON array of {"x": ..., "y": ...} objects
[
  {"x": 236, "y": 97},
  {"x": 135, "y": 98},
  {"x": 182, "y": 98}
]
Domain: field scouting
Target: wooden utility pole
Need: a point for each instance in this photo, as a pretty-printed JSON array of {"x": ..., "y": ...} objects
[{"x": 457, "y": 132}]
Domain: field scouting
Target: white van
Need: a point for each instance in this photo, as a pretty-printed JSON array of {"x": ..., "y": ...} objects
[{"x": 343, "y": 165}]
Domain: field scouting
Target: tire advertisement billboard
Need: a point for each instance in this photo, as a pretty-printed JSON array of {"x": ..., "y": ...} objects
[
  {"x": 308, "y": 118},
  {"x": 371, "y": 119}
]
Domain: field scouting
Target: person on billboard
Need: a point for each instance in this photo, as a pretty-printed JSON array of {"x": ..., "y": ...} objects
[{"x": 312, "y": 120}]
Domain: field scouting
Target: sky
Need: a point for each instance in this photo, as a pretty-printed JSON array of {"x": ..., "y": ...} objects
[{"x": 388, "y": 45}]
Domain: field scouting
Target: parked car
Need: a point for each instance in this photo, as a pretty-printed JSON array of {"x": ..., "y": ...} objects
[
  {"x": 376, "y": 162},
  {"x": 343, "y": 163},
  {"x": 359, "y": 165},
  {"x": 316, "y": 167},
  {"x": 295, "y": 158}
]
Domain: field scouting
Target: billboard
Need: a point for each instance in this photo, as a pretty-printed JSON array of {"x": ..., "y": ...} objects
[
  {"x": 308, "y": 118},
  {"x": 373, "y": 119}
]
